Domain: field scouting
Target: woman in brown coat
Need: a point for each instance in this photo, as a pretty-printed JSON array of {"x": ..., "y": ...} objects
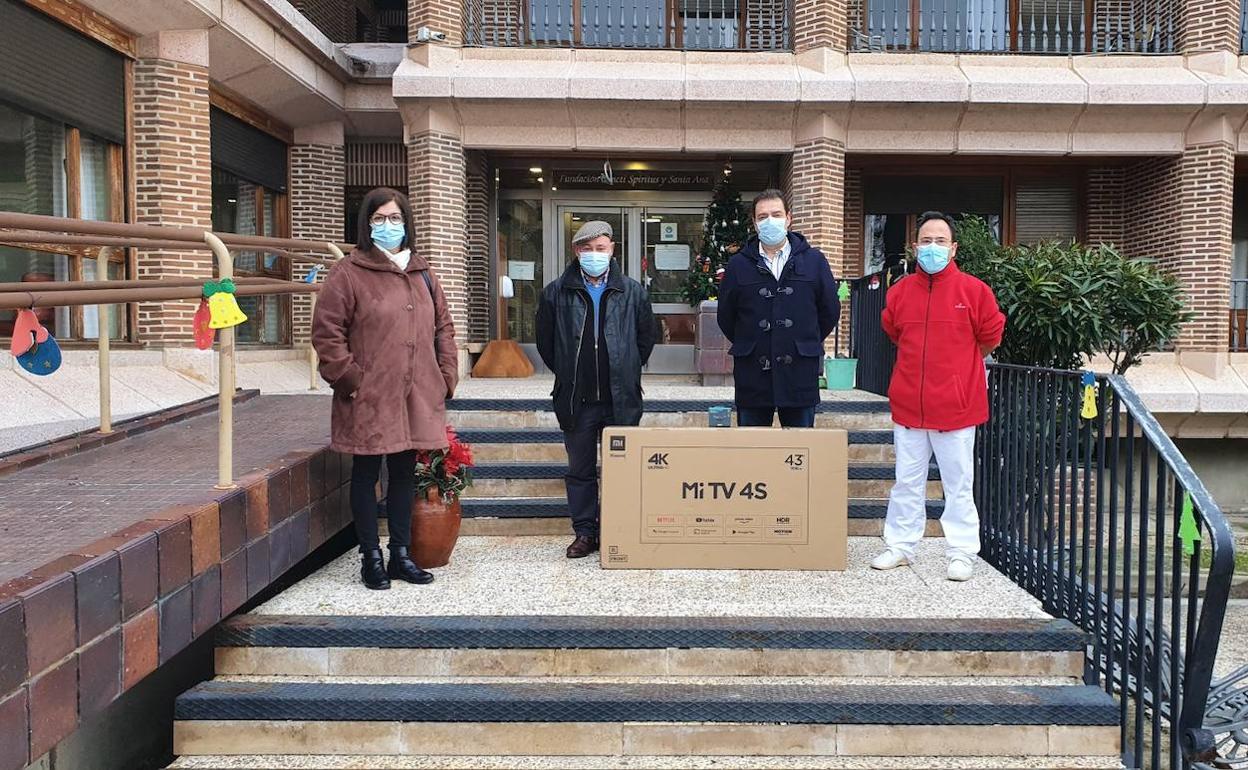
[{"x": 386, "y": 344}]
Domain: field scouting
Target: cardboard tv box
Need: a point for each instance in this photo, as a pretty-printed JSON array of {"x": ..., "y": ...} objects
[{"x": 715, "y": 498}]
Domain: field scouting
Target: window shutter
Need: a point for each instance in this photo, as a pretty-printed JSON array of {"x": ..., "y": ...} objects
[
  {"x": 1046, "y": 210},
  {"x": 247, "y": 152},
  {"x": 55, "y": 72}
]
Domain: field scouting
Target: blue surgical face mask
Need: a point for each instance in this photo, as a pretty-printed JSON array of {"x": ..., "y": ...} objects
[
  {"x": 772, "y": 230},
  {"x": 933, "y": 257},
  {"x": 388, "y": 235},
  {"x": 594, "y": 263}
]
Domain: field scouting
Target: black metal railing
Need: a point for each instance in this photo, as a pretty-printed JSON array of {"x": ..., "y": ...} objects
[
  {"x": 1099, "y": 516},
  {"x": 1239, "y": 313},
  {"x": 691, "y": 25},
  {"x": 1018, "y": 26},
  {"x": 867, "y": 341}
]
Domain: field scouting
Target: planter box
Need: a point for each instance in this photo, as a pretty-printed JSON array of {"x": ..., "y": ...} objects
[{"x": 711, "y": 357}]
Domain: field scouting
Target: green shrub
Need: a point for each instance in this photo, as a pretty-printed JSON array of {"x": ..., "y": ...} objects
[{"x": 1065, "y": 302}]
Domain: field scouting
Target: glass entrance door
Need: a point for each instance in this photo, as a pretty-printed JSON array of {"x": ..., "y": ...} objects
[{"x": 656, "y": 246}]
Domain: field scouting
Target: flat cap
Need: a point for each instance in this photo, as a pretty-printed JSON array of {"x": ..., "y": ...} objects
[{"x": 591, "y": 230}]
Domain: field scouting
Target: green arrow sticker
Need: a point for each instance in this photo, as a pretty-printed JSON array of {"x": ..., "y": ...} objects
[
  {"x": 1189, "y": 532},
  {"x": 842, "y": 293}
]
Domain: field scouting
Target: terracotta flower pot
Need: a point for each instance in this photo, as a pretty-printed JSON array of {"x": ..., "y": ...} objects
[{"x": 435, "y": 529}]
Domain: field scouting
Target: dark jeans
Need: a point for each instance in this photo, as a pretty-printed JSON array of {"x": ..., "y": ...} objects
[
  {"x": 581, "y": 480},
  {"x": 400, "y": 491},
  {"x": 790, "y": 417}
]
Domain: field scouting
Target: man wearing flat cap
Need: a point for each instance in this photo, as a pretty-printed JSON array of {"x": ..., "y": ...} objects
[{"x": 595, "y": 331}]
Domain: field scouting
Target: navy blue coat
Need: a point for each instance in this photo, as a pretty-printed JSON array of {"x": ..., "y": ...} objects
[{"x": 777, "y": 328}]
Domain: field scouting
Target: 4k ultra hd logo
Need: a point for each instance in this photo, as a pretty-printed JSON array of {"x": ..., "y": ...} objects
[
  {"x": 617, "y": 444},
  {"x": 657, "y": 460}
]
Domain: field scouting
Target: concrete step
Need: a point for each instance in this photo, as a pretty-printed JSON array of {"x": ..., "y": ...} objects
[
  {"x": 643, "y": 719},
  {"x": 697, "y": 762},
  {"x": 505, "y": 445},
  {"x": 524, "y": 418},
  {"x": 550, "y": 646},
  {"x": 545, "y": 479},
  {"x": 524, "y": 516}
]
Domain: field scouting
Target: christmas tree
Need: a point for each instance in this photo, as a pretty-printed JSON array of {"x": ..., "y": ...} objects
[{"x": 725, "y": 230}]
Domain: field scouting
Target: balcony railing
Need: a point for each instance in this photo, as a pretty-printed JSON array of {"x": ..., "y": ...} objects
[
  {"x": 1243, "y": 27},
  {"x": 691, "y": 25},
  {"x": 1013, "y": 26},
  {"x": 1239, "y": 315}
]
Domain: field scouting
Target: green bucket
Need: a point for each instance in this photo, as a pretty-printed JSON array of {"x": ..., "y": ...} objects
[{"x": 840, "y": 373}]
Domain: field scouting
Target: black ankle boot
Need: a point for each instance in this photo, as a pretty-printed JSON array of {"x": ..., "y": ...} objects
[
  {"x": 403, "y": 568},
  {"x": 373, "y": 570}
]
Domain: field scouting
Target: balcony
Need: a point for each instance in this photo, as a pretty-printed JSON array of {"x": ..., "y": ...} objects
[
  {"x": 1061, "y": 27},
  {"x": 683, "y": 25}
]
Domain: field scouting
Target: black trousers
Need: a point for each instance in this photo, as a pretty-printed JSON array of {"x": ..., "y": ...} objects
[
  {"x": 400, "y": 491},
  {"x": 581, "y": 480}
]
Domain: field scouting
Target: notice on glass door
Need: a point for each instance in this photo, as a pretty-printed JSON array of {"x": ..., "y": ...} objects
[
  {"x": 520, "y": 271},
  {"x": 671, "y": 256},
  {"x": 668, "y": 231}
]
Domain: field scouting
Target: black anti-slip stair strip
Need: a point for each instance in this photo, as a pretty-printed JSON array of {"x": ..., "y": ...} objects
[
  {"x": 556, "y": 470},
  {"x": 556, "y": 507},
  {"x": 655, "y": 406},
  {"x": 554, "y": 702},
  {"x": 580, "y": 632},
  {"x": 555, "y": 436}
]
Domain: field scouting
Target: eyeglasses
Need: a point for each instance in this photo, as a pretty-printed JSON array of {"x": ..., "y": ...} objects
[{"x": 381, "y": 219}]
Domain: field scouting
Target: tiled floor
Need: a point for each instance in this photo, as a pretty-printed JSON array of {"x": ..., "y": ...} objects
[
  {"x": 50, "y": 509},
  {"x": 522, "y": 576}
]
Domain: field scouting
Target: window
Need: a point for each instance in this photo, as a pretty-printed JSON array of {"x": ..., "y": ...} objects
[
  {"x": 49, "y": 168},
  {"x": 1046, "y": 210},
  {"x": 246, "y": 208}
]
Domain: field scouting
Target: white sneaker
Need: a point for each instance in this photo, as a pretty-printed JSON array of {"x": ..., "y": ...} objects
[
  {"x": 890, "y": 559},
  {"x": 960, "y": 570}
]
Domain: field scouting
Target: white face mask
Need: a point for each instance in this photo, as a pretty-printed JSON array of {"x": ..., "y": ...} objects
[{"x": 594, "y": 263}]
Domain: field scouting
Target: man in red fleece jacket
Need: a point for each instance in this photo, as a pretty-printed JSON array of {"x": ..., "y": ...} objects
[{"x": 944, "y": 323}]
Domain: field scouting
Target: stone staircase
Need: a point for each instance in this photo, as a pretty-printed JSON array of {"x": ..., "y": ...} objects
[{"x": 680, "y": 670}]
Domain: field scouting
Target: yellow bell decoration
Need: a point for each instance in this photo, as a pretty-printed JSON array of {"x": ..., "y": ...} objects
[
  {"x": 223, "y": 309},
  {"x": 1089, "y": 410}
]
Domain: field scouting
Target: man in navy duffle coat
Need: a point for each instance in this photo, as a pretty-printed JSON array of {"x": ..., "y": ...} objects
[{"x": 777, "y": 304}]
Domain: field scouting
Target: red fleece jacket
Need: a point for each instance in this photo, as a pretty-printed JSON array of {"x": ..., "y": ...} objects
[{"x": 939, "y": 324}]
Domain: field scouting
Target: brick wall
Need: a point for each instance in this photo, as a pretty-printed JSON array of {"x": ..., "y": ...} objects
[
  {"x": 819, "y": 23},
  {"x": 317, "y": 182},
  {"x": 478, "y": 181},
  {"x": 854, "y": 213},
  {"x": 437, "y": 190},
  {"x": 1104, "y": 202},
  {"x": 173, "y": 160},
  {"x": 1209, "y": 25},
  {"x": 1179, "y": 211},
  {"x": 815, "y": 178},
  {"x": 334, "y": 18},
  {"x": 446, "y": 16}
]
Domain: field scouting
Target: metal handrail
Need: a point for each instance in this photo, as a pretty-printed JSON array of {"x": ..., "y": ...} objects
[
  {"x": 33, "y": 228},
  {"x": 1044, "y": 468}
]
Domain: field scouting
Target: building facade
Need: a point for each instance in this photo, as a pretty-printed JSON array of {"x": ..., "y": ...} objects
[{"x": 510, "y": 121}]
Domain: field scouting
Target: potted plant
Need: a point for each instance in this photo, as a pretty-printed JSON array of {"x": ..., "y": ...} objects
[{"x": 442, "y": 475}]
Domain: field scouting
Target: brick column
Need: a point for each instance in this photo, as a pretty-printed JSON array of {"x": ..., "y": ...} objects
[
  {"x": 1105, "y": 201},
  {"x": 816, "y": 186},
  {"x": 445, "y": 16},
  {"x": 435, "y": 158},
  {"x": 173, "y": 166},
  {"x": 820, "y": 24},
  {"x": 317, "y": 189},
  {"x": 855, "y": 248},
  {"x": 1179, "y": 211},
  {"x": 478, "y": 185},
  {"x": 1209, "y": 25}
]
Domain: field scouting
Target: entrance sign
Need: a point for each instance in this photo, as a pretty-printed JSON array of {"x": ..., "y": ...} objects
[
  {"x": 671, "y": 256},
  {"x": 520, "y": 271},
  {"x": 634, "y": 180},
  {"x": 668, "y": 231}
]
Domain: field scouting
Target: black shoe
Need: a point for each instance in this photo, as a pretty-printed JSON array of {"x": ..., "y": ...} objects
[
  {"x": 582, "y": 546},
  {"x": 403, "y": 568},
  {"x": 373, "y": 570}
]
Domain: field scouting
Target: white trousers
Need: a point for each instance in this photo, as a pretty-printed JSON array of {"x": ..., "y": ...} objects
[{"x": 907, "y": 503}]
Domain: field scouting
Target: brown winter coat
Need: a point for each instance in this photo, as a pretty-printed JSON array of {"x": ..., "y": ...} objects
[{"x": 374, "y": 333}]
